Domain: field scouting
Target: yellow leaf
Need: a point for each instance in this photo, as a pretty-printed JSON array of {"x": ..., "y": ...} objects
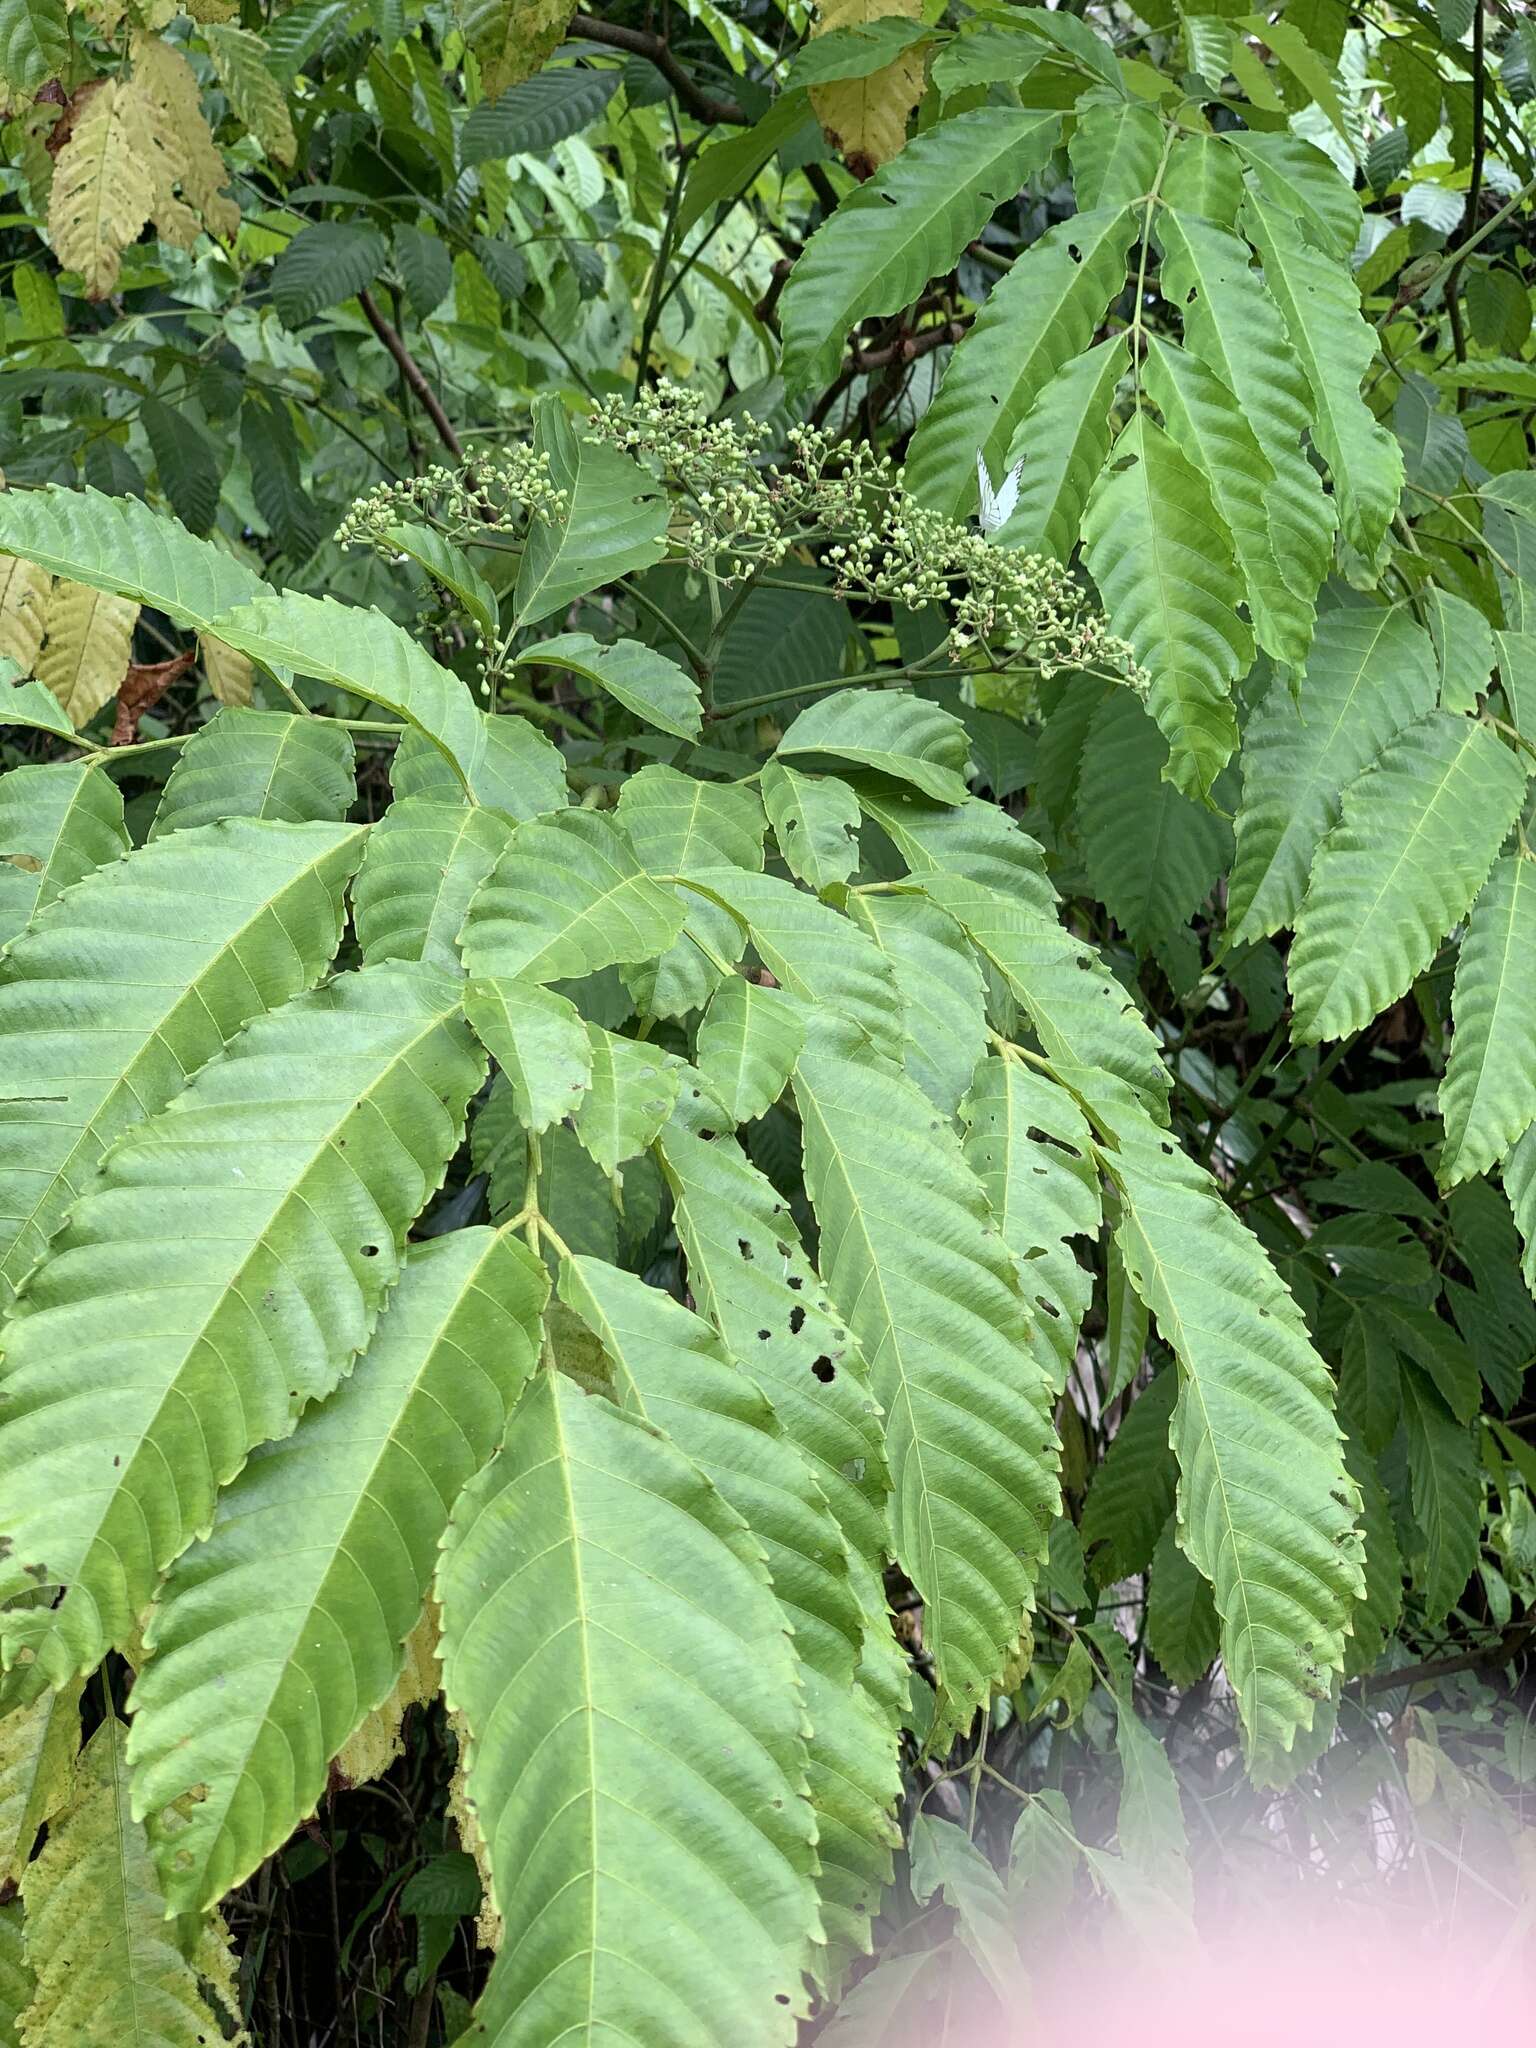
[
  {"x": 191, "y": 159},
  {"x": 462, "y": 1813},
  {"x": 88, "y": 647},
  {"x": 23, "y": 600},
  {"x": 513, "y": 38},
  {"x": 109, "y": 1967},
  {"x": 103, "y": 190},
  {"x": 38, "y": 1746},
  {"x": 374, "y": 1745},
  {"x": 229, "y": 674},
  {"x": 865, "y": 119}
]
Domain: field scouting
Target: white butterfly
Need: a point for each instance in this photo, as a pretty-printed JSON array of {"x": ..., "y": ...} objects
[{"x": 996, "y": 505}]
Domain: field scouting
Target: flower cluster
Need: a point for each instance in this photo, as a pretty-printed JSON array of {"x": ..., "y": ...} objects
[{"x": 492, "y": 494}]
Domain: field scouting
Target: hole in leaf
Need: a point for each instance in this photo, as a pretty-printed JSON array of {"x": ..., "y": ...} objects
[
  {"x": 744, "y": 1247},
  {"x": 370, "y": 1251},
  {"x": 824, "y": 1370},
  {"x": 796, "y": 1320}
]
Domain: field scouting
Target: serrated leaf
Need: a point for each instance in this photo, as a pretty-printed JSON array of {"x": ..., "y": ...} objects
[
  {"x": 945, "y": 1859},
  {"x": 421, "y": 869},
  {"x": 1336, "y": 346},
  {"x": 24, "y": 588},
  {"x": 259, "y": 764},
  {"x": 1183, "y": 1630},
  {"x": 633, "y": 1088},
  {"x": 512, "y": 38},
  {"x": 1065, "y": 439},
  {"x": 103, "y": 191},
  {"x": 538, "y": 1040},
  {"x": 655, "y": 689},
  {"x": 1266, "y": 1515},
  {"x": 602, "y": 1553},
  {"x": 678, "y": 824},
  {"x": 1115, "y": 149},
  {"x": 939, "y": 982},
  {"x": 567, "y": 898},
  {"x": 1162, "y": 558},
  {"x": 326, "y": 263},
  {"x": 1447, "y": 1492},
  {"x": 1464, "y": 648},
  {"x": 1036, "y": 318},
  {"x": 1133, "y": 1491},
  {"x": 39, "y": 1745},
  {"x": 57, "y": 824},
  {"x": 1300, "y": 183},
  {"x": 509, "y": 764},
  {"x": 1416, "y": 838},
  {"x": 537, "y": 114},
  {"x": 1368, "y": 675},
  {"x": 850, "y": 41},
  {"x": 1152, "y": 855},
  {"x": 34, "y": 44},
  {"x": 1029, "y": 1145},
  {"x": 887, "y": 732},
  {"x": 1488, "y": 1093},
  {"x": 121, "y": 1968},
  {"x": 748, "y": 1042},
  {"x": 1520, "y": 1190},
  {"x": 450, "y": 566},
  {"x": 1202, "y": 177},
  {"x": 240, "y": 59},
  {"x": 275, "y": 1636},
  {"x": 815, "y": 820},
  {"x": 1434, "y": 443},
  {"x": 88, "y": 647},
  {"x": 615, "y": 520},
  {"x": 905, "y": 225},
  {"x": 933, "y": 1299},
  {"x": 240, "y": 1192},
  {"x": 163, "y": 957},
  {"x": 1234, "y": 326},
  {"x": 426, "y": 269}
]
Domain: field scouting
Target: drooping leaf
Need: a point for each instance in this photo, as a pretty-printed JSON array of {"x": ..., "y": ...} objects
[
  {"x": 512, "y": 38},
  {"x": 944, "y": 1858},
  {"x": 615, "y": 520},
  {"x": 1133, "y": 1491},
  {"x": 603, "y": 1557},
  {"x": 655, "y": 689},
  {"x": 39, "y": 1745},
  {"x": 1183, "y": 1630},
  {"x": 538, "y": 1040},
  {"x": 748, "y": 1042},
  {"x": 1447, "y": 1494},
  {"x": 255, "y": 94},
  {"x": 277, "y": 1634},
  {"x": 160, "y": 960},
  {"x": 103, "y": 188},
  {"x": 325, "y": 263},
  {"x": 56, "y": 824},
  {"x": 1369, "y": 673},
  {"x": 1162, "y": 558},
  {"x": 1488, "y": 1093},
  {"x": 421, "y": 869},
  {"x": 939, "y": 982},
  {"x": 1464, "y": 648},
  {"x": 886, "y": 732},
  {"x": 259, "y": 764},
  {"x": 274, "y": 1223},
  {"x": 1064, "y": 439},
  {"x": 1416, "y": 838},
  {"x": 537, "y": 114},
  {"x": 186, "y": 463},
  {"x": 88, "y": 647},
  {"x": 907, "y": 224},
  {"x": 450, "y": 566},
  {"x": 935, "y": 1304}
]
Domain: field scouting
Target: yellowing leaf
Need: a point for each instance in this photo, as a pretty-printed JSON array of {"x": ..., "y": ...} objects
[
  {"x": 866, "y": 118},
  {"x": 23, "y": 601},
  {"x": 189, "y": 155},
  {"x": 255, "y": 95},
  {"x": 372, "y": 1748},
  {"x": 229, "y": 674},
  {"x": 103, "y": 190},
  {"x": 37, "y": 1763},
  {"x": 88, "y": 648},
  {"x": 513, "y": 38}
]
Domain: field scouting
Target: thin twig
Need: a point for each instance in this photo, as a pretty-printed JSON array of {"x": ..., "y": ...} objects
[
  {"x": 638, "y": 42},
  {"x": 412, "y": 372}
]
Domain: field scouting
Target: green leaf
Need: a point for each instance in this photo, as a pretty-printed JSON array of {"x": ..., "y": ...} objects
[
  {"x": 1202, "y": 177},
  {"x": 239, "y": 1193},
  {"x": 256, "y": 97},
  {"x": 1520, "y": 1191},
  {"x": 934, "y": 1301},
  {"x": 133, "y": 980},
  {"x": 975, "y": 839},
  {"x": 1125, "y": 1323},
  {"x": 1447, "y": 1494},
  {"x": 567, "y": 898},
  {"x": 1183, "y": 1631},
  {"x": 534, "y": 116},
  {"x": 655, "y": 689},
  {"x": 1152, "y": 855},
  {"x": 1064, "y": 439},
  {"x": 748, "y": 1042},
  {"x": 540, "y": 1043},
  {"x": 671, "y": 1369},
  {"x": 276, "y": 1635},
  {"x": 1037, "y": 317},
  {"x": 1368, "y": 675},
  {"x": 938, "y": 979},
  {"x": 1115, "y": 150},
  {"x": 812, "y": 951},
  {"x": 1300, "y": 184},
  {"x": 944, "y": 1858},
  {"x": 1464, "y": 648},
  {"x": 905, "y": 225},
  {"x": 1162, "y": 558},
  {"x": 57, "y": 824},
  {"x": 1488, "y": 1093},
  {"x": 26, "y": 701},
  {"x": 360, "y": 650},
  {"x": 633, "y": 1088},
  {"x": 421, "y": 869},
  {"x": 259, "y": 764},
  {"x": 1416, "y": 838},
  {"x": 325, "y": 263},
  {"x": 1232, "y": 324},
  {"x": 1266, "y": 1513},
  {"x": 187, "y": 463},
  {"x": 1379, "y": 1612},
  {"x": 1149, "y": 1823},
  {"x": 118, "y": 544},
  {"x": 447, "y": 564},
  {"x": 1336, "y": 346},
  {"x": 854, "y": 52},
  {"x": 39, "y": 1746},
  {"x": 1133, "y": 1491},
  {"x": 1434, "y": 443},
  {"x": 426, "y": 269},
  {"x": 508, "y": 763},
  {"x": 678, "y": 824},
  {"x": 1029, "y": 1145},
  {"x": 615, "y": 520},
  {"x": 888, "y": 732},
  {"x": 815, "y": 820},
  {"x": 34, "y": 44},
  {"x": 586, "y": 1565},
  {"x": 120, "y": 1967}
]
